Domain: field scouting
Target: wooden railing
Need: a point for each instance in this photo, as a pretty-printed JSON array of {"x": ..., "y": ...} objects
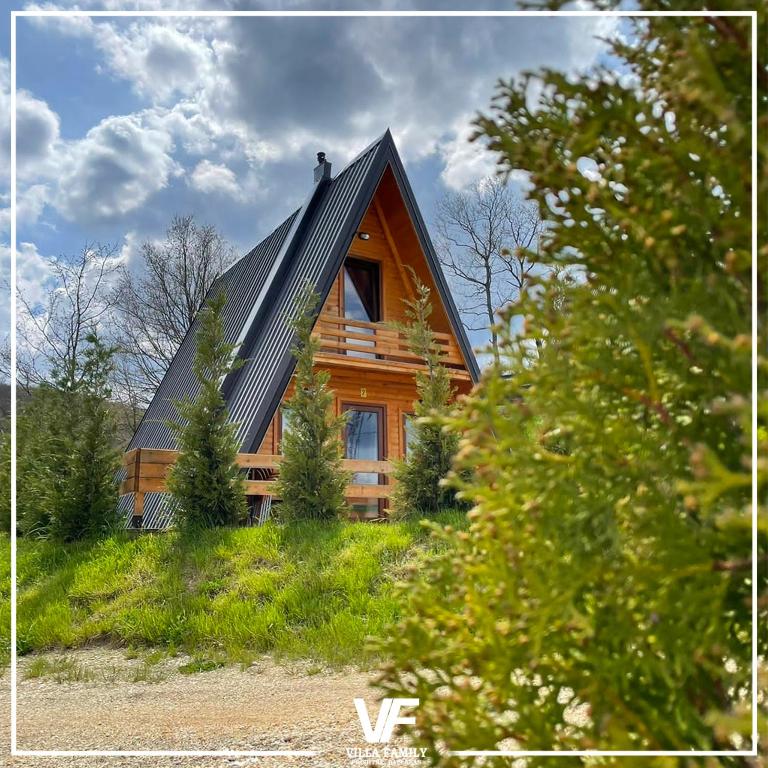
[
  {"x": 355, "y": 340},
  {"x": 147, "y": 469}
]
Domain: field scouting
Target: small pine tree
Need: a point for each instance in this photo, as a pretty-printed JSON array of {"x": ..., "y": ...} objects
[
  {"x": 87, "y": 493},
  {"x": 312, "y": 481},
  {"x": 66, "y": 456},
  {"x": 205, "y": 482},
  {"x": 419, "y": 488},
  {"x": 66, "y": 452}
]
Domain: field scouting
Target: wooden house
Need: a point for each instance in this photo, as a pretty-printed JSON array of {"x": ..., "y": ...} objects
[{"x": 355, "y": 238}]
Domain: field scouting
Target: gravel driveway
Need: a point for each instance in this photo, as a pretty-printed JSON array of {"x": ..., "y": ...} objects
[{"x": 100, "y": 705}]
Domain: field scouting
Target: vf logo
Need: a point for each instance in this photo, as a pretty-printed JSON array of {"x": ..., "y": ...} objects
[{"x": 388, "y": 718}]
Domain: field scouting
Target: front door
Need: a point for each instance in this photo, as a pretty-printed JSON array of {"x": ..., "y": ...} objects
[{"x": 364, "y": 440}]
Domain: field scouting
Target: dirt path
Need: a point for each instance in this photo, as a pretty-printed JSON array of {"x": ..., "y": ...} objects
[{"x": 98, "y": 704}]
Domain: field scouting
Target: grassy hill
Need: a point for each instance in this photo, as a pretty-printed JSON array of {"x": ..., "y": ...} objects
[{"x": 310, "y": 590}]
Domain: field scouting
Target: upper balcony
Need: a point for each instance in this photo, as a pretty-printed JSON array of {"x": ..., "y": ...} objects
[{"x": 358, "y": 344}]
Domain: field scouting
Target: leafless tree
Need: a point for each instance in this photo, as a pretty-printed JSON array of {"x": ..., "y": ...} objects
[
  {"x": 156, "y": 301},
  {"x": 5, "y": 388},
  {"x": 131, "y": 398},
  {"x": 5, "y": 359},
  {"x": 520, "y": 256},
  {"x": 52, "y": 335},
  {"x": 487, "y": 241}
]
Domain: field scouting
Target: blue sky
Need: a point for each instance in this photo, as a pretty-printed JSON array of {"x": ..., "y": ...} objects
[{"x": 124, "y": 122}]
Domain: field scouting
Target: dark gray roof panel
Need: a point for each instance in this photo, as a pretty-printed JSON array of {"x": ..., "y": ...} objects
[
  {"x": 243, "y": 281},
  {"x": 158, "y": 511}
]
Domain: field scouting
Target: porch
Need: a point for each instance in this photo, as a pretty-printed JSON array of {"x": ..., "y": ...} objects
[{"x": 146, "y": 470}]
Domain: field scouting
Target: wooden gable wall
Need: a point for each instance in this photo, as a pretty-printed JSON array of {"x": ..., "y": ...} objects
[{"x": 395, "y": 246}]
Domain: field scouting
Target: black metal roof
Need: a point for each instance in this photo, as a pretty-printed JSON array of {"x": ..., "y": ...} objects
[
  {"x": 262, "y": 289},
  {"x": 243, "y": 282}
]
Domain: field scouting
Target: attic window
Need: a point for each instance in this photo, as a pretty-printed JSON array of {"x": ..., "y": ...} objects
[{"x": 362, "y": 290}]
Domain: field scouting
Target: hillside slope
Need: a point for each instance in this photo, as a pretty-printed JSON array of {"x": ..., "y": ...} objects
[{"x": 311, "y": 590}]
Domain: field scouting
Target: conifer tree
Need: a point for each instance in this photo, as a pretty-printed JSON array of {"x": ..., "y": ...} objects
[
  {"x": 67, "y": 454},
  {"x": 419, "y": 488},
  {"x": 602, "y": 595},
  {"x": 312, "y": 481},
  {"x": 205, "y": 482},
  {"x": 86, "y": 502},
  {"x": 44, "y": 431}
]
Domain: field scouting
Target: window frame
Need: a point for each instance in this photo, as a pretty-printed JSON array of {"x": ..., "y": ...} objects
[
  {"x": 404, "y": 435},
  {"x": 279, "y": 430},
  {"x": 379, "y": 280},
  {"x": 381, "y": 410}
]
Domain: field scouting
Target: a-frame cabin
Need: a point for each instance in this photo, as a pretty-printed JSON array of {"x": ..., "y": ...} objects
[{"x": 354, "y": 239}]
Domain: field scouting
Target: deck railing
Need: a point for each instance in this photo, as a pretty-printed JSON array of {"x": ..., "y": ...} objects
[
  {"x": 147, "y": 469},
  {"x": 355, "y": 339}
]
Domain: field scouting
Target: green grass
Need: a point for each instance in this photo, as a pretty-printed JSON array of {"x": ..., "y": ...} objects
[
  {"x": 65, "y": 669},
  {"x": 61, "y": 669},
  {"x": 310, "y": 590}
]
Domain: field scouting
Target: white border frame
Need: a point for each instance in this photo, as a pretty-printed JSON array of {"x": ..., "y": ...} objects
[{"x": 310, "y": 753}]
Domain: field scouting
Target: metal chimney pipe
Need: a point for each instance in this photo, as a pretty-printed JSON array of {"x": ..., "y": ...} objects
[{"x": 323, "y": 168}]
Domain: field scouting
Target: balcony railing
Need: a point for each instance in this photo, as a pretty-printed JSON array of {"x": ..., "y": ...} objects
[
  {"x": 147, "y": 469},
  {"x": 355, "y": 340}
]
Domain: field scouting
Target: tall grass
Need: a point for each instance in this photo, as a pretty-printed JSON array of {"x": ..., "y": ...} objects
[{"x": 311, "y": 590}]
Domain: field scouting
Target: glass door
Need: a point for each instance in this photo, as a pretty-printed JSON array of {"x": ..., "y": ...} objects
[{"x": 364, "y": 440}]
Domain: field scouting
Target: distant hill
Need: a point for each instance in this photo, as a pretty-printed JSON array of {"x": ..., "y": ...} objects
[
  {"x": 125, "y": 423},
  {"x": 5, "y": 401}
]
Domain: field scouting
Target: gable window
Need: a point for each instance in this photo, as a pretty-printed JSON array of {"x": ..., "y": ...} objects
[
  {"x": 362, "y": 301},
  {"x": 362, "y": 290}
]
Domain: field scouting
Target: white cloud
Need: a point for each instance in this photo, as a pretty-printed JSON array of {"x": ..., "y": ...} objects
[
  {"x": 29, "y": 205},
  {"x": 37, "y": 130},
  {"x": 244, "y": 82},
  {"x": 465, "y": 163},
  {"x": 158, "y": 58},
  {"x": 243, "y": 103},
  {"x": 33, "y": 274},
  {"x": 218, "y": 179},
  {"x": 129, "y": 247},
  {"x": 117, "y": 167},
  {"x": 5, "y": 120}
]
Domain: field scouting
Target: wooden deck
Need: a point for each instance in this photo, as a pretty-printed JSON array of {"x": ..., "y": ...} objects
[{"x": 147, "y": 469}]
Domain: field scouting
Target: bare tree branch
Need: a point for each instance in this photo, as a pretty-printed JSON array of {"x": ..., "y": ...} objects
[
  {"x": 155, "y": 306},
  {"x": 52, "y": 335},
  {"x": 487, "y": 241}
]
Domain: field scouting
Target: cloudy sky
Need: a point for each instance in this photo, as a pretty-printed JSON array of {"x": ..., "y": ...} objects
[{"x": 123, "y": 122}]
